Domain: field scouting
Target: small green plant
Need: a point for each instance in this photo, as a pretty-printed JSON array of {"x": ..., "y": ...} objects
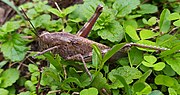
[{"x": 7, "y": 79}]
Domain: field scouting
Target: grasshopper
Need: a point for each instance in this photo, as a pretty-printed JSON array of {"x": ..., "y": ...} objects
[{"x": 78, "y": 47}]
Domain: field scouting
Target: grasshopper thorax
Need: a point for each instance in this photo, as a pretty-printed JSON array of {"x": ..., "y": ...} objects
[{"x": 55, "y": 38}]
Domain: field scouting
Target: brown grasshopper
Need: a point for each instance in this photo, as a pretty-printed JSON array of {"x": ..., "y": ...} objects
[{"x": 78, "y": 47}]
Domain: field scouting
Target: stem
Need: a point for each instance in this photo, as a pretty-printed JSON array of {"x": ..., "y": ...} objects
[{"x": 39, "y": 80}]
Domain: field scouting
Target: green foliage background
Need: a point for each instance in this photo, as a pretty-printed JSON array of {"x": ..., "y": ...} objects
[{"x": 142, "y": 72}]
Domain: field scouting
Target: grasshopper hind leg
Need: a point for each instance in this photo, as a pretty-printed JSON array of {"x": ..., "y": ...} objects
[
  {"x": 79, "y": 56},
  {"x": 49, "y": 49}
]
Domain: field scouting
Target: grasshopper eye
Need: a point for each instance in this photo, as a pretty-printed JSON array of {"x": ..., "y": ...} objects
[{"x": 45, "y": 37}]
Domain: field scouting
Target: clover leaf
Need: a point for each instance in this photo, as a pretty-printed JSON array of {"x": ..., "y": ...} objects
[{"x": 129, "y": 73}]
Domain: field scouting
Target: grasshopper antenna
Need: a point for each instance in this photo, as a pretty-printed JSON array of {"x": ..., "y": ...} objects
[{"x": 27, "y": 18}]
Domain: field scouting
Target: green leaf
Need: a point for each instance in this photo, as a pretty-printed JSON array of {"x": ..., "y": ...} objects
[
  {"x": 164, "y": 23},
  {"x": 103, "y": 84},
  {"x": 73, "y": 73},
  {"x": 167, "y": 40},
  {"x": 56, "y": 25},
  {"x": 130, "y": 22},
  {"x": 97, "y": 51},
  {"x": 106, "y": 69},
  {"x": 34, "y": 77},
  {"x": 41, "y": 20},
  {"x": 115, "y": 92},
  {"x": 174, "y": 16},
  {"x": 30, "y": 86},
  {"x": 150, "y": 58},
  {"x": 1, "y": 70},
  {"x": 147, "y": 9},
  {"x": 126, "y": 86},
  {"x": 129, "y": 73},
  {"x": 68, "y": 28},
  {"x": 159, "y": 66},
  {"x": 4, "y": 91},
  {"x": 14, "y": 47},
  {"x": 84, "y": 79},
  {"x": 146, "y": 34},
  {"x": 2, "y": 63},
  {"x": 89, "y": 91},
  {"x": 111, "y": 52},
  {"x": 123, "y": 61},
  {"x": 55, "y": 61},
  {"x": 41, "y": 6},
  {"x": 147, "y": 64},
  {"x": 95, "y": 59},
  {"x": 132, "y": 32},
  {"x": 164, "y": 80},
  {"x": 50, "y": 77},
  {"x": 65, "y": 94},
  {"x": 9, "y": 77},
  {"x": 12, "y": 90},
  {"x": 10, "y": 26},
  {"x": 21, "y": 81},
  {"x": 169, "y": 52},
  {"x": 145, "y": 21},
  {"x": 156, "y": 92},
  {"x": 70, "y": 80},
  {"x": 56, "y": 12},
  {"x": 144, "y": 68},
  {"x": 177, "y": 23},
  {"x": 130, "y": 17},
  {"x": 173, "y": 62},
  {"x": 76, "y": 20},
  {"x": 26, "y": 5},
  {"x": 136, "y": 56},
  {"x": 124, "y": 7},
  {"x": 169, "y": 71},
  {"x": 145, "y": 76},
  {"x": 112, "y": 32},
  {"x": 146, "y": 90},
  {"x": 152, "y": 21},
  {"x": 69, "y": 10},
  {"x": 172, "y": 91},
  {"x": 82, "y": 82},
  {"x": 171, "y": 1},
  {"x": 25, "y": 93},
  {"x": 32, "y": 13},
  {"x": 138, "y": 86},
  {"x": 32, "y": 68}
]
